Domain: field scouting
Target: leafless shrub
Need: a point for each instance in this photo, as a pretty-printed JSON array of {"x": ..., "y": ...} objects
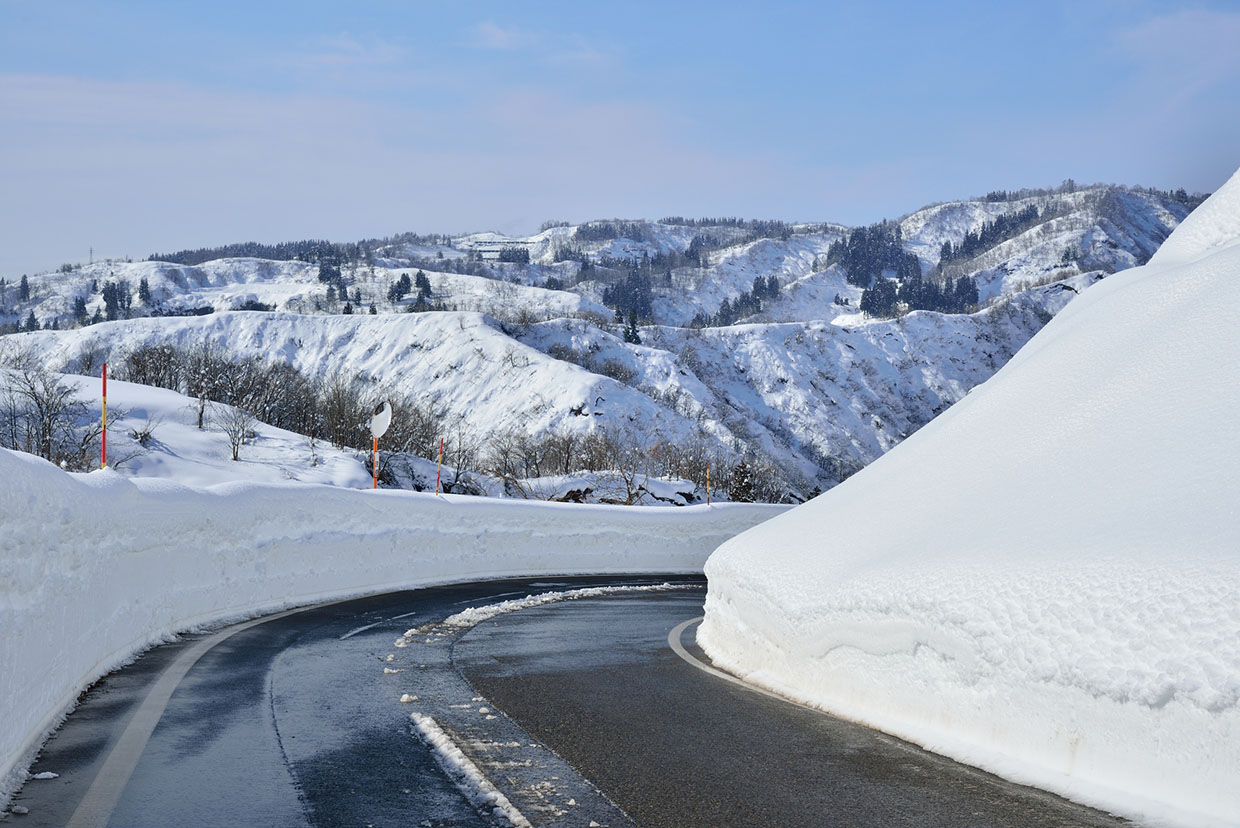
[
  {"x": 237, "y": 424},
  {"x": 616, "y": 370},
  {"x": 145, "y": 433}
]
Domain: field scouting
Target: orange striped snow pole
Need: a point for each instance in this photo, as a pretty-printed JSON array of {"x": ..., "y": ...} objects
[
  {"x": 375, "y": 459},
  {"x": 708, "y": 484},
  {"x": 105, "y": 417},
  {"x": 439, "y": 470}
]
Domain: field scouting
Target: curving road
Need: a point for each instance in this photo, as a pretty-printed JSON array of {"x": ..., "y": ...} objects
[{"x": 575, "y": 713}]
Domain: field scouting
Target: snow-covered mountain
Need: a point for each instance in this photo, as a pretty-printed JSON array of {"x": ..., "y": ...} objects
[
  {"x": 1044, "y": 580},
  {"x": 520, "y": 333}
]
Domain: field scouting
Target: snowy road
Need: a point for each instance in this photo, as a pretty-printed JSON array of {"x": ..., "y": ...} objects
[{"x": 299, "y": 721}]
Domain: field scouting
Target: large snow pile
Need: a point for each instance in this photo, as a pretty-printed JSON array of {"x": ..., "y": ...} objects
[
  {"x": 95, "y": 567},
  {"x": 1045, "y": 580}
]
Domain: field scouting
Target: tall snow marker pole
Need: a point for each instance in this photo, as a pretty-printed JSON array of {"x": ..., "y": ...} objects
[
  {"x": 104, "y": 463},
  {"x": 375, "y": 461},
  {"x": 708, "y": 484},
  {"x": 439, "y": 470}
]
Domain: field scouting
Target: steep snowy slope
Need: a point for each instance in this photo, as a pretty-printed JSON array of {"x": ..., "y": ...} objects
[
  {"x": 459, "y": 362},
  {"x": 821, "y": 399},
  {"x": 1044, "y": 580}
]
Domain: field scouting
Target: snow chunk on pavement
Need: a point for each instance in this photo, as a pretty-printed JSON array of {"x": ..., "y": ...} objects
[
  {"x": 476, "y": 615},
  {"x": 465, "y": 774}
]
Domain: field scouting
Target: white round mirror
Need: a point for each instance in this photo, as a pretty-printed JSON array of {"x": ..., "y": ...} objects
[{"x": 381, "y": 419}]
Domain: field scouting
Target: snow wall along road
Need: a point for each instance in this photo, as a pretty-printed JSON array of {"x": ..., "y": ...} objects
[
  {"x": 1045, "y": 580},
  {"x": 94, "y": 568}
]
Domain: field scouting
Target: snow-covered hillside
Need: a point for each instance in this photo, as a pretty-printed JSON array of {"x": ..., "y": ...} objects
[
  {"x": 820, "y": 400},
  {"x": 804, "y": 386},
  {"x": 1044, "y": 580}
]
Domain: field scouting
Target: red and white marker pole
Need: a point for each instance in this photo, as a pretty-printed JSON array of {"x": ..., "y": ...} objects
[
  {"x": 375, "y": 461},
  {"x": 105, "y": 417},
  {"x": 439, "y": 470}
]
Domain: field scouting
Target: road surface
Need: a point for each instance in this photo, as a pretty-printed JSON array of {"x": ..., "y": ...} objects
[{"x": 575, "y": 712}]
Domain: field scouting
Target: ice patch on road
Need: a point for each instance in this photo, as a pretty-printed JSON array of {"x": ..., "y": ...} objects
[{"x": 465, "y": 774}]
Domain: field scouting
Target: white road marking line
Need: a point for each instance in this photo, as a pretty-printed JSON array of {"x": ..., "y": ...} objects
[
  {"x": 673, "y": 640},
  {"x": 105, "y": 791}
]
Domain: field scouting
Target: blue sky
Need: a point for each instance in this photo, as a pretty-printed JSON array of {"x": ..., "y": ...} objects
[{"x": 143, "y": 127}]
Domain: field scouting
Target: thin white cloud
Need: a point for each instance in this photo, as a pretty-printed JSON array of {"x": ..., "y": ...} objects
[
  {"x": 344, "y": 49},
  {"x": 490, "y": 35}
]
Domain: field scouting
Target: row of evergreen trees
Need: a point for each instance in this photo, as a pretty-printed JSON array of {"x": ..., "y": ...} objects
[
  {"x": 747, "y": 304},
  {"x": 1003, "y": 227},
  {"x": 608, "y": 230},
  {"x": 884, "y": 297},
  {"x": 403, "y": 286},
  {"x": 307, "y": 250}
]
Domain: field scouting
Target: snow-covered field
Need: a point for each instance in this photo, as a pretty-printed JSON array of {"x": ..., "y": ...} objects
[
  {"x": 96, "y": 567},
  {"x": 1044, "y": 581}
]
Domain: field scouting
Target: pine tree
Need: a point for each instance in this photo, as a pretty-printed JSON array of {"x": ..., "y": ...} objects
[
  {"x": 328, "y": 272},
  {"x": 32, "y": 324},
  {"x": 880, "y": 299},
  {"x": 348, "y": 307},
  {"x": 23, "y": 289},
  {"x": 111, "y": 301},
  {"x": 631, "y": 335},
  {"x": 144, "y": 291},
  {"x": 79, "y": 309}
]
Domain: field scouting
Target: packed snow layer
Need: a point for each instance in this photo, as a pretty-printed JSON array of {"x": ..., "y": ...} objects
[
  {"x": 96, "y": 567},
  {"x": 1045, "y": 580}
]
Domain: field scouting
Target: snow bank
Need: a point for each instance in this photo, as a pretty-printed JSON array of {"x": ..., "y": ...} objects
[
  {"x": 94, "y": 568},
  {"x": 1214, "y": 224},
  {"x": 1044, "y": 581}
]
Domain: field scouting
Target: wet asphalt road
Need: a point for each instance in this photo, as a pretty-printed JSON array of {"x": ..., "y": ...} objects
[{"x": 297, "y": 721}]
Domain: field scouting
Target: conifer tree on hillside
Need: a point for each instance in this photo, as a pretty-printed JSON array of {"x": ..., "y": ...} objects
[
  {"x": 23, "y": 289},
  {"x": 880, "y": 298},
  {"x": 400, "y": 288},
  {"x": 631, "y": 334}
]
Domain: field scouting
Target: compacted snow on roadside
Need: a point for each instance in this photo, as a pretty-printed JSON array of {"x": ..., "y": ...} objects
[
  {"x": 1044, "y": 581},
  {"x": 95, "y": 567}
]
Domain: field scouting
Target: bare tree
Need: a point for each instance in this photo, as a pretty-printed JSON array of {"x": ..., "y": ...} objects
[
  {"x": 41, "y": 414},
  {"x": 237, "y": 423}
]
